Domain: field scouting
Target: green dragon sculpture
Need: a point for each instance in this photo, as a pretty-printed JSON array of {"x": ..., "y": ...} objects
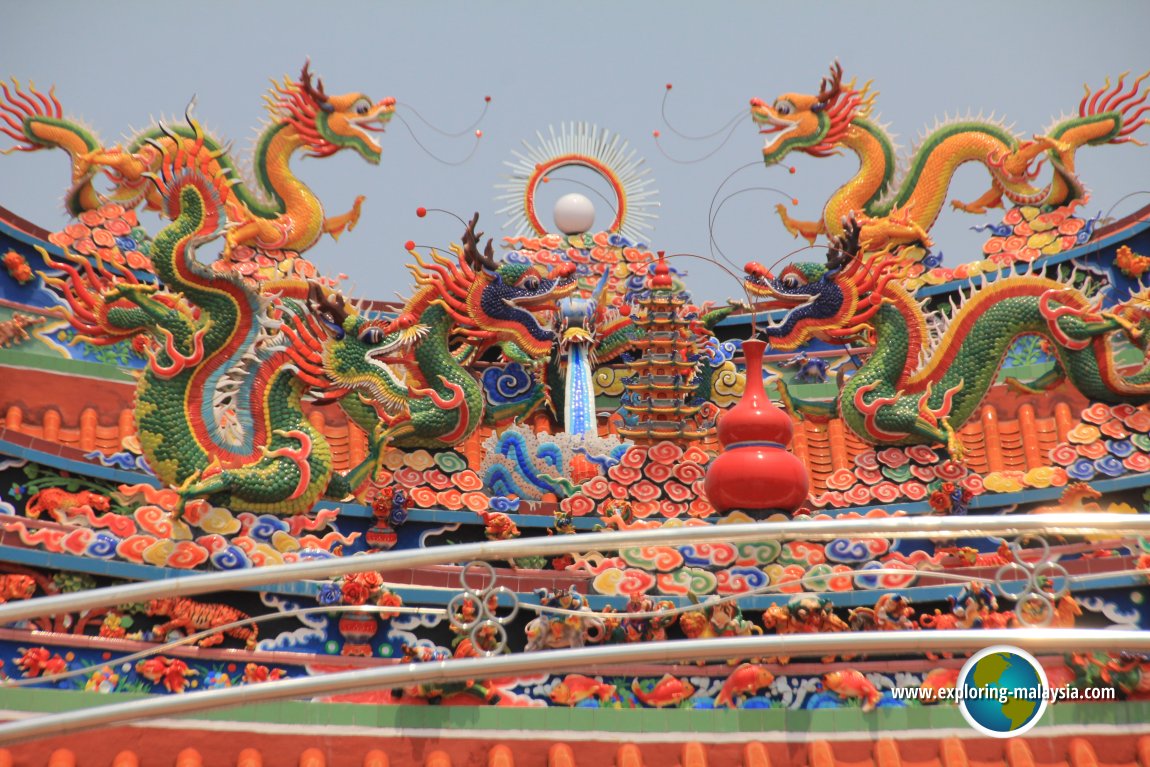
[
  {"x": 218, "y": 408},
  {"x": 919, "y": 386},
  {"x": 469, "y": 305}
]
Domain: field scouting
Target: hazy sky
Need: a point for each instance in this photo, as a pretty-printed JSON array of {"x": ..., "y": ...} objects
[{"x": 121, "y": 64}]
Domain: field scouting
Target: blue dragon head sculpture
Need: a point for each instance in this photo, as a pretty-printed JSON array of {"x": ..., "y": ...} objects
[
  {"x": 492, "y": 302},
  {"x": 824, "y": 301},
  {"x": 507, "y": 298}
]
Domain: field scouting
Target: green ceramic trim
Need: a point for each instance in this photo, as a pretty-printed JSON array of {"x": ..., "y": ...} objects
[
  {"x": 56, "y": 364},
  {"x": 675, "y": 722}
]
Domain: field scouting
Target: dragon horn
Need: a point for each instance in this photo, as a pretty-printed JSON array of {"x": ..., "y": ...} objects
[
  {"x": 316, "y": 93},
  {"x": 471, "y": 253},
  {"x": 333, "y": 304},
  {"x": 846, "y": 246},
  {"x": 831, "y": 87},
  {"x": 191, "y": 107}
]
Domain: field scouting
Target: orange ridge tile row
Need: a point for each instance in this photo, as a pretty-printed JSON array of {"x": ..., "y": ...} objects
[
  {"x": 991, "y": 443},
  {"x": 885, "y": 752},
  {"x": 348, "y": 441}
]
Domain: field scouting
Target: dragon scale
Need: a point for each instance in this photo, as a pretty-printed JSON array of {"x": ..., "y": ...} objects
[
  {"x": 915, "y": 389},
  {"x": 896, "y": 211},
  {"x": 277, "y": 211},
  {"x": 218, "y": 408},
  {"x": 894, "y": 400}
]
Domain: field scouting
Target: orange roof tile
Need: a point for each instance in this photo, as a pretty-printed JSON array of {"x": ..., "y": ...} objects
[
  {"x": 992, "y": 441},
  {"x": 255, "y": 750}
]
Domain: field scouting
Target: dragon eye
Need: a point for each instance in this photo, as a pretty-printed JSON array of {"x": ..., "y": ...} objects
[
  {"x": 361, "y": 106},
  {"x": 790, "y": 280},
  {"x": 784, "y": 107},
  {"x": 531, "y": 283},
  {"x": 371, "y": 335}
]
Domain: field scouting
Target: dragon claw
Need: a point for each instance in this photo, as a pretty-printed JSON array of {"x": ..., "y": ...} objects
[
  {"x": 973, "y": 208},
  {"x": 85, "y": 160},
  {"x": 1134, "y": 332},
  {"x": 184, "y": 491},
  {"x": 953, "y": 443},
  {"x": 337, "y": 225}
]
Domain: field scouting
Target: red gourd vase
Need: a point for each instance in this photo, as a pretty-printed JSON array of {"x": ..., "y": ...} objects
[
  {"x": 755, "y": 473},
  {"x": 358, "y": 629}
]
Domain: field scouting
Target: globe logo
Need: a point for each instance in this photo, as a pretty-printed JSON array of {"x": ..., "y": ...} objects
[{"x": 1002, "y": 691}]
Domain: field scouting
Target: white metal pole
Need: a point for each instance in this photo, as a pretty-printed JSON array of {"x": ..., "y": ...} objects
[
  {"x": 891, "y": 527},
  {"x": 583, "y": 660}
]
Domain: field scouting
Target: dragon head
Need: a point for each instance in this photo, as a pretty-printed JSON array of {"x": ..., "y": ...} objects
[
  {"x": 327, "y": 123},
  {"x": 828, "y": 301},
  {"x": 494, "y": 302},
  {"x": 814, "y": 124},
  {"x": 339, "y": 350},
  {"x": 513, "y": 300}
]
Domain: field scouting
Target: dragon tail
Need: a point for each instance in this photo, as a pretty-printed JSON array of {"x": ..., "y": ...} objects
[
  {"x": 1128, "y": 106},
  {"x": 1108, "y": 115},
  {"x": 98, "y": 297},
  {"x": 36, "y": 121},
  {"x": 193, "y": 186}
]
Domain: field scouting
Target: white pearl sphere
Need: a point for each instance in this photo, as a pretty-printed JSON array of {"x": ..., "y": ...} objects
[{"x": 574, "y": 214}]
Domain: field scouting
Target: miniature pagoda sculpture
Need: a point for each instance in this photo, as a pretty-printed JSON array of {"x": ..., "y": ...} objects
[{"x": 660, "y": 401}]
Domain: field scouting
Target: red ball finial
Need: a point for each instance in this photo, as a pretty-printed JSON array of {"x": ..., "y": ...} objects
[
  {"x": 791, "y": 170},
  {"x": 668, "y": 86},
  {"x": 421, "y": 212},
  {"x": 478, "y": 134},
  {"x": 487, "y": 99},
  {"x": 409, "y": 245},
  {"x": 662, "y": 277},
  {"x": 655, "y": 134}
]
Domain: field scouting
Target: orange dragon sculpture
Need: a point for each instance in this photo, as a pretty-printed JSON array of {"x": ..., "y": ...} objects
[
  {"x": 275, "y": 211},
  {"x": 900, "y": 211}
]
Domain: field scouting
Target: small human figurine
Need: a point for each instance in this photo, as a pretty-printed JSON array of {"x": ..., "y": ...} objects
[
  {"x": 649, "y": 629},
  {"x": 557, "y": 630},
  {"x": 497, "y": 526},
  {"x": 617, "y": 513},
  {"x": 717, "y": 619},
  {"x": 977, "y": 607},
  {"x": 893, "y": 612},
  {"x": 564, "y": 525}
]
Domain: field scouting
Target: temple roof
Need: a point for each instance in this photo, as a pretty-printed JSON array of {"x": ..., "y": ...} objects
[{"x": 1002, "y": 436}]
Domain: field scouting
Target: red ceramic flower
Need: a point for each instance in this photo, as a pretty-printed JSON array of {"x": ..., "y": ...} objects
[
  {"x": 940, "y": 501},
  {"x": 370, "y": 580},
  {"x": 355, "y": 593},
  {"x": 389, "y": 598}
]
